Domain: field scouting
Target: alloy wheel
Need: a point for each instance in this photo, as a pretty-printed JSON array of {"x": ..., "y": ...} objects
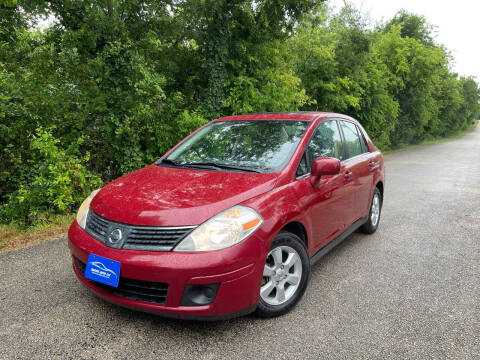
[
  {"x": 281, "y": 275},
  {"x": 375, "y": 212}
]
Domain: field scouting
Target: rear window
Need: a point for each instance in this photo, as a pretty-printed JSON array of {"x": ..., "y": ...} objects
[{"x": 352, "y": 139}]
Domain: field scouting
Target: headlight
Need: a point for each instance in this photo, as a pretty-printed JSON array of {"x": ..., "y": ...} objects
[
  {"x": 83, "y": 210},
  {"x": 223, "y": 230}
]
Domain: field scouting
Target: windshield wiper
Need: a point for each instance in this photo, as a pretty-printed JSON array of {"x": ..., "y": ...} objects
[
  {"x": 169, "y": 162},
  {"x": 218, "y": 166},
  {"x": 207, "y": 165}
]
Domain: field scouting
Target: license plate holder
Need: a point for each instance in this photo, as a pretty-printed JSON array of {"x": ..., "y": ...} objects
[{"x": 103, "y": 270}]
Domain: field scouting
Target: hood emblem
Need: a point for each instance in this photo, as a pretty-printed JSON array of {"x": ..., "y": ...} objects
[{"x": 115, "y": 236}]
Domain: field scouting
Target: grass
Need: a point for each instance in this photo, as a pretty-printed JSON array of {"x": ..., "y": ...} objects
[
  {"x": 13, "y": 237},
  {"x": 427, "y": 142}
]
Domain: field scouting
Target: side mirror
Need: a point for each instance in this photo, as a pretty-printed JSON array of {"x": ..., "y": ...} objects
[{"x": 323, "y": 166}]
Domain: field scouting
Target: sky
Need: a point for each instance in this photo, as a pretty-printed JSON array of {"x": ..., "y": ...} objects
[{"x": 457, "y": 25}]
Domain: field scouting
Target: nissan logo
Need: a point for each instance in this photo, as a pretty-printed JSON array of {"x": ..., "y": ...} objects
[{"x": 115, "y": 236}]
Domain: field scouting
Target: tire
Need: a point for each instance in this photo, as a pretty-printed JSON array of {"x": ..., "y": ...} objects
[
  {"x": 374, "y": 214},
  {"x": 277, "y": 276}
]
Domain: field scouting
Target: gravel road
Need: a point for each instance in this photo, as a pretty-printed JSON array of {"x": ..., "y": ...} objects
[{"x": 411, "y": 290}]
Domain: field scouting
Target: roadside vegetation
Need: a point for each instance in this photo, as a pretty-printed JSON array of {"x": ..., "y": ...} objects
[
  {"x": 109, "y": 85},
  {"x": 432, "y": 141},
  {"x": 13, "y": 236}
]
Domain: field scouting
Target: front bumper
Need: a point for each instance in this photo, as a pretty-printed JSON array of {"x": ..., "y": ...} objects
[{"x": 238, "y": 271}]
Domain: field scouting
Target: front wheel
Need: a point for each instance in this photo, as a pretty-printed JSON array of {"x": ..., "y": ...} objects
[
  {"x": 285, "y": 275},
  {"x": 374, "y": 215}
]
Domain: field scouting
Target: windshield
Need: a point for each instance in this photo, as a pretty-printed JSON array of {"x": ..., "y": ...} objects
[{"x": 262, "y": 145}]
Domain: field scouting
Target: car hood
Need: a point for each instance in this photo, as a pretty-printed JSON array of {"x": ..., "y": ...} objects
[{"x": 167, "y": 196}]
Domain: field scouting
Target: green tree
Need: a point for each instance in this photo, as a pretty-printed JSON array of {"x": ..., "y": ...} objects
[
  {"x": 412, "y": 26},
  {"x": 112, "y": 84},
  {"x": 415, "y": 76},
  {"x": 340, "y": 67},
  {"x": 59, "y": 183}
]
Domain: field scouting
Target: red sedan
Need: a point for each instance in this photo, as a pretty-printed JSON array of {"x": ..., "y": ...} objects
[{"x": 232, "y": 218}]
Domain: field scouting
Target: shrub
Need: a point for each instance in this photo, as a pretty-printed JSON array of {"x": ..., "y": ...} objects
[{"x": 58, "y": 181}]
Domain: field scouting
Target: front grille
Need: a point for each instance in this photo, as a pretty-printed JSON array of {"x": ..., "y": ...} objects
[
  {"x": 151, "y": 239},
  {"x": 136, "y": 237},
  {"x": 97, "y": 226},
  {"x": 146, "y": 291}
]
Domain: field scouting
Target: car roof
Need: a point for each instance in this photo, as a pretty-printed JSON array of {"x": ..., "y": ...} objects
[{"x": 293, "y": 115}]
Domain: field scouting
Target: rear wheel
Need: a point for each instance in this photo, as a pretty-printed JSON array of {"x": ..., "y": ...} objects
[
  {"x": 285, "y": 276},
  {"x": 374, "y": 215}
]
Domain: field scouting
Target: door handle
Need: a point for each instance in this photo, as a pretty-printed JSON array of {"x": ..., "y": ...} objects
[{"x": 348, "y": 175}]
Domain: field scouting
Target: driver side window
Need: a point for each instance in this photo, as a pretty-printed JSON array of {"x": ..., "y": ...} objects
[{"x": 326, "y": 141}]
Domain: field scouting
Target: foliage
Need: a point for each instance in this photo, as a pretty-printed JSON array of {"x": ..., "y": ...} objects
[
  {"x": 57, "y": 181},
  {"x": 113, "y": 84},
  {"x": 342, "y": 70},
  {"x": 394, "y": 79}
]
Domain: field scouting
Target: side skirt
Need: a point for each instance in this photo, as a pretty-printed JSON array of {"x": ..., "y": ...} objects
[{"x": 331, "y": 244}]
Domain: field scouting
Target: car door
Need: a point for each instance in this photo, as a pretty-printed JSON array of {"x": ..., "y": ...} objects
[
  {"x": 371, "y": 164},
  {"x": 328, "y": 201},
  {"x": 357, "y": 169}
]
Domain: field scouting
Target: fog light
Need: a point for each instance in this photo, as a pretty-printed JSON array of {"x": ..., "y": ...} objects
[{"x": 198, "y": 295}]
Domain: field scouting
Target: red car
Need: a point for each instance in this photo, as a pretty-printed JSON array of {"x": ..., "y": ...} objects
[{"x": 231, "y": 219}]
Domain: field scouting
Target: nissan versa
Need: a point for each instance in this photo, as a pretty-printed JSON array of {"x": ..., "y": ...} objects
[{"x": 231, "y": 219}]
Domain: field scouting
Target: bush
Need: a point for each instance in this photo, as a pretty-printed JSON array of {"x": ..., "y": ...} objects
[
  {"x": 142, "y": 75},
  {"x": 57, "y": 182}
]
